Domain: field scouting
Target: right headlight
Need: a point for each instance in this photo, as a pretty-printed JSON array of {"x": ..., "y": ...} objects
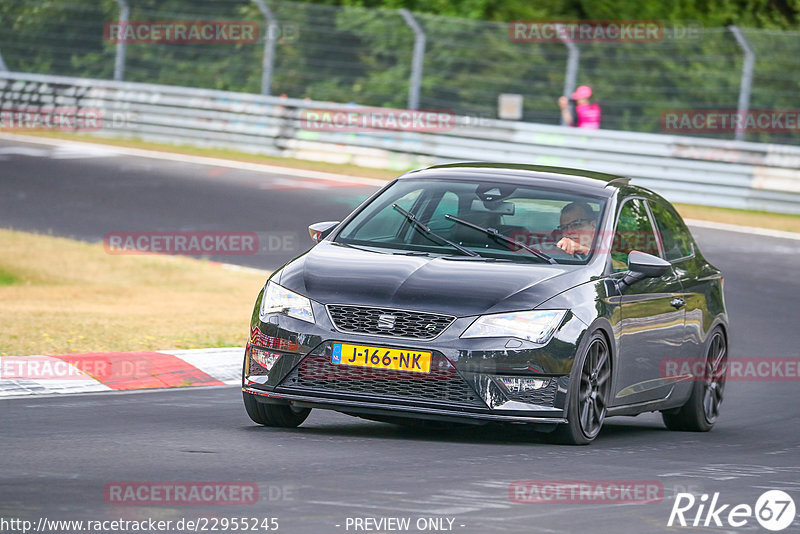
[
  {"x": 536, "y": 326},
  {"x": 278, "y": 299}
]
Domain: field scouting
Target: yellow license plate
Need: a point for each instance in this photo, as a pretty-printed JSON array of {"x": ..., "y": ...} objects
[{"x": 381, "y": 357}]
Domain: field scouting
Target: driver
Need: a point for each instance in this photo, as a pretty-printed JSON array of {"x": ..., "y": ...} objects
[{"x": 578, "y": 224}]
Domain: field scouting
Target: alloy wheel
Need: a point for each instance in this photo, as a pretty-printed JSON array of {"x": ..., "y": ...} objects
[
  {"x": 595, "y": 387},
  {"x": 716, "y": 364}
]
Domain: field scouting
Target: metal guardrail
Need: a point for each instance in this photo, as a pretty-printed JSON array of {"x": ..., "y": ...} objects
[
  {"x": 734, "y": 174},
  {"x": 390, "y": 57}
]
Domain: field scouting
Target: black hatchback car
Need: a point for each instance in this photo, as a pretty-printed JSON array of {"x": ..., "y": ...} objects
[{"x": 482, "y": 292}]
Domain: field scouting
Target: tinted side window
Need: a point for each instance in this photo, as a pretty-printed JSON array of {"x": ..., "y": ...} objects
[
  {"x": 634, "y": 232},
  {"x": 674, "y": 234}
]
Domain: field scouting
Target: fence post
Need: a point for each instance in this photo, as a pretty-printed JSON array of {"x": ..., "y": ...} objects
[
  {"x": 269, "y": 47},
  {"x": 119, "y": 61},
  {"x": 571, "y": 76},
  {"x": 416, "y": 62},
  {"x": 747, "y": 80},
  {"x": 3, "y": 64}
]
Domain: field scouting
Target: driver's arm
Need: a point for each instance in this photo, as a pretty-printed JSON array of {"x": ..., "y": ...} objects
[{"x": 571, "y": 246}]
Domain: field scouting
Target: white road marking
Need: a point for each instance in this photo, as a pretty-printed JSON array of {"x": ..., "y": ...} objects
[
  {"x": 59, "y": 152},
  {"x": 201, "y": 160},
  {"x": 765, "y": 232},
  {"x": 25, "y": 151},
  {"x": 82, "y": 152},
  {"x": 223, "y": 364}
]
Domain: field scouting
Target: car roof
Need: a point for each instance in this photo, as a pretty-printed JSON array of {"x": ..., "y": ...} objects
[{"x": 577, "y": 180}]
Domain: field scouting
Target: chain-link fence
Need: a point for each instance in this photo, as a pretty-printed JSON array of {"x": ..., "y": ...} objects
[{"x": 367, "y": 56}]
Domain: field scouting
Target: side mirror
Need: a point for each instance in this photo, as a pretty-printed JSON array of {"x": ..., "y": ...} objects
[
  {"x": 319, "y": 231},
  {"x": 642, "y": 265}
]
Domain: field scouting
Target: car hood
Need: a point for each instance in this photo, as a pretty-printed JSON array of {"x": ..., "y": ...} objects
[{"x": 332, "y": 273}]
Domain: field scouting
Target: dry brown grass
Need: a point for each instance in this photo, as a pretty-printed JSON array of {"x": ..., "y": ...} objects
[
  {"x": 759, "y": 219},
  {"x": 59, "y": 296}
]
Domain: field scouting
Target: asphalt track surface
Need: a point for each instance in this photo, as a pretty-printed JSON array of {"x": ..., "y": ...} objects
[{"x": 58, "y": 454}]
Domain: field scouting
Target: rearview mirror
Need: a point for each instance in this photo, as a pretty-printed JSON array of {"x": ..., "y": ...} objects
[
  {"x": 642, "y": 265},
  {"x": 494, "y": 206},
  {"x": 319, "y": 231}
]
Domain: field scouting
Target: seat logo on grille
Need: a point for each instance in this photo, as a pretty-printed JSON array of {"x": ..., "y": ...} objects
[{"x": 386, "y": 321}]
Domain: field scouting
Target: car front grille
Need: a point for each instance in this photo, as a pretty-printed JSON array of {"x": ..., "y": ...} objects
[
  {"x": 442, "y": 384},
  {"x": 396, "y": 323}
]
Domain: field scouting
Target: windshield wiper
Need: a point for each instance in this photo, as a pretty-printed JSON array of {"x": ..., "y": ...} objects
[
  {"x": 497, "y": 235},
  {"x": 422, "y": 226}
]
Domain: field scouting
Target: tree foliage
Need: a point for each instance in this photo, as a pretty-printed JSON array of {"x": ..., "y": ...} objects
[{"x": 361, "y": 51}]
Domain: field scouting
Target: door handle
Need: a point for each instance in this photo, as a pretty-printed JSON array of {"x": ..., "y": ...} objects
[{"x": 677, "y": 302}]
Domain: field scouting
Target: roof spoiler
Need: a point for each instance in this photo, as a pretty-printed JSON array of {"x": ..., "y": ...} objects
[{"x": 621, "y": 180}]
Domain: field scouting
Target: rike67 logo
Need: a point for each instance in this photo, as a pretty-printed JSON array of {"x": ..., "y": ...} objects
[{"x": 774, "y": 510}]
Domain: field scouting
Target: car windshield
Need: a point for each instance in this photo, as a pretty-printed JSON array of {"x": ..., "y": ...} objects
[{"x": 446, "y": 216}]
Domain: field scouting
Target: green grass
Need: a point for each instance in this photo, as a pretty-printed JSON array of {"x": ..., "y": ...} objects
[{"x": 7, "y": 278}]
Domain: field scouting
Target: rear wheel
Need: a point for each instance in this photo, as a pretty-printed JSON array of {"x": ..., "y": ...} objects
[
  {"x": 702, "y": 409},
  {"x": 279, "y": 415},
  {"x": 588, "y": 396}
]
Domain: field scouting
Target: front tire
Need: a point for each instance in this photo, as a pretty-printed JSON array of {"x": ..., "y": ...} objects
[
  {"x": 702, "y": 409},
  {"x": 588, "y": 395},
  {"x": 276, "y": 415}
]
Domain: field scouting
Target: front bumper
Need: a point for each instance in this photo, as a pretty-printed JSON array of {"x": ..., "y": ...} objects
[
  {"x": 368, "y": 407},
  {"x": 464, "y": 382}
]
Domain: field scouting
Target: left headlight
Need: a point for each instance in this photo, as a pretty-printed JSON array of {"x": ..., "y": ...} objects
[
  {"x": 536, "y": 326},
  {"x": 278, "y": 299}
]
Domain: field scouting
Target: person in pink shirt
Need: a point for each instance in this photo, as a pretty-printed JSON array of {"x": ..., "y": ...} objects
[{"x": 588, "y": 115}]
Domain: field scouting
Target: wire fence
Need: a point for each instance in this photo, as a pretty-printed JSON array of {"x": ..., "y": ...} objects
[{"x": 366, "y": 56}]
